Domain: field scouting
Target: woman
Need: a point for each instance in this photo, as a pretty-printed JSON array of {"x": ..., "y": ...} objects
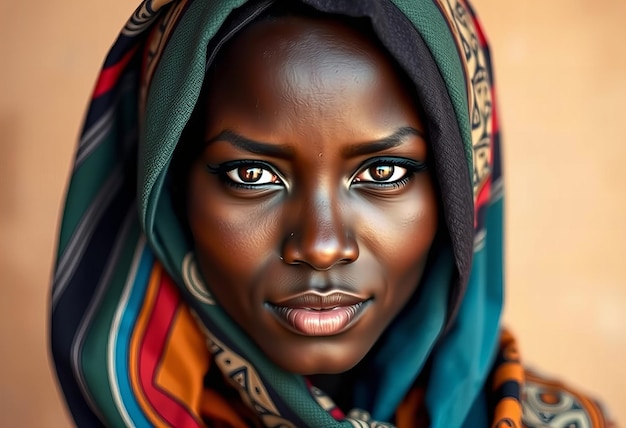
[{"x": 318, "y": 238}]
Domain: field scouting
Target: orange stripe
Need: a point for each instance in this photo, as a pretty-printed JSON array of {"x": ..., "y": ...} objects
[
  {"x": 137, "y": 336},
  {"x": 174, "y": 412},
  {"x": 411, "y": 412},
  {"x": 184, "y": 361},
  {"x": 508, "y": 346},
  {"x": 207, "y": 403},
  {"x": 508, "y": 371},
  {"x": 220, "y": 413}
]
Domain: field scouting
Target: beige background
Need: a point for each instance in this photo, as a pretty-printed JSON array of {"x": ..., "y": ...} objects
[{"x": 561, "y": 78}]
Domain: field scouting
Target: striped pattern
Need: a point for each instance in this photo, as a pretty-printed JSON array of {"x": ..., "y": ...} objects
[{"x": 100, "y": 220}]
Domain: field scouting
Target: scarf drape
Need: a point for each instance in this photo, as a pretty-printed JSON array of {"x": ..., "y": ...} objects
[{"x": 136, "y": 336}]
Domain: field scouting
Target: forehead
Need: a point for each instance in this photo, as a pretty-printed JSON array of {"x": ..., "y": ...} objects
[
  {"x": 296, "y": 46},
  {"x": 296, "y": 62}
]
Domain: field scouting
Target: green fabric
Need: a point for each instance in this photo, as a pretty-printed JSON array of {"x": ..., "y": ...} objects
[{"x": 173, "y": 93}]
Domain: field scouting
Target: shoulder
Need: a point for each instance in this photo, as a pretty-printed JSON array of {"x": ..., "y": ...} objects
[{"x": 548, "y": 403}]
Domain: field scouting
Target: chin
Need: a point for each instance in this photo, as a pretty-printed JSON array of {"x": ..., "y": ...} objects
[{"x": 318, "y": 358}]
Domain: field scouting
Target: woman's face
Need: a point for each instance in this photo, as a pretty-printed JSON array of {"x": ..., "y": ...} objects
[{"x": 311, "y": 207}]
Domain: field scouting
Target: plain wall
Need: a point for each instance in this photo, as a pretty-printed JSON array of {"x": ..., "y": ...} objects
[{"x": 561, "y": 81}]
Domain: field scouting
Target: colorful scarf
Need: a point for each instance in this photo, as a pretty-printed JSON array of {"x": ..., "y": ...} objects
[{"x": 136, "y": 336}]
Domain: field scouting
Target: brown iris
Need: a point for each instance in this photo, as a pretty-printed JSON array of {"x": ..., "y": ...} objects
[
  {"x": 382, "y": 172},
  {"x": 250, "y": 174}
]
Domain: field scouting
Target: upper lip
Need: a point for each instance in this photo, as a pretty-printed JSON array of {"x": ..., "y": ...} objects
[{"x": 320, "y": 301}]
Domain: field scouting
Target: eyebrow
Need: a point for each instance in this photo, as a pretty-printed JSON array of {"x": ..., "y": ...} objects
[
  {"x": 284, "y": 151},
  {"x": 258, "y": 147},
  {"x": 394, "y": 140}
]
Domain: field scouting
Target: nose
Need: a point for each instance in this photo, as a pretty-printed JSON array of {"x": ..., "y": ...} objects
[{"x": 320, "y": 237}]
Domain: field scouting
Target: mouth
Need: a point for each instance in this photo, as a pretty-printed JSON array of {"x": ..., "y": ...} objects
[{"x": 315, "y": 314}]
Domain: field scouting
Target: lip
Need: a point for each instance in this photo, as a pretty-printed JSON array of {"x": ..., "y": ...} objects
[{"x": 320, "y": 314}]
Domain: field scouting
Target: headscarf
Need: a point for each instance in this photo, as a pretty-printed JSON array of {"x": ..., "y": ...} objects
[{"x": 136, "y": 336}]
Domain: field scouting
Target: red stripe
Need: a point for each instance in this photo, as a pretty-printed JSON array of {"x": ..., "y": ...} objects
[
  {"x": 495, "y": 123},
  {"x": 479, "y": 28},
  {"x": 110, "y": 75},
  {"x": 152, "y": 348}
]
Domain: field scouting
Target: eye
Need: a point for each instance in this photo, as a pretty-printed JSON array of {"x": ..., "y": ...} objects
[
  {"x": 256, "y": 175},
  {"x": 247, "y": 174},
  {"x": 381, "y": 173}
]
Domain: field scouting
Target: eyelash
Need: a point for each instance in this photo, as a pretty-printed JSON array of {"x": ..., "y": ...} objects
[
  {"x": 223, "y": 169},
  {"x": 412, "y": 167}
]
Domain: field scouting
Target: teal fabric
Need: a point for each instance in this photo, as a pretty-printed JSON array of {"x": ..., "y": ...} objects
[
  {"x": 464, "y": 358},
  {"x": 477, "y": 416},
  {"x": 408, "y": 345}
]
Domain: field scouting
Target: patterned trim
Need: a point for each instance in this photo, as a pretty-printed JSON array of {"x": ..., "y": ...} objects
[
  {"x": 143, "y": 17},
  {"x": 242, "y": 375},
  {"x": 362, "y": 419},
  {"x": 550, "y": 404},
  {"x": 157, "y": 41},
  {"x": 478, "y": 80}
]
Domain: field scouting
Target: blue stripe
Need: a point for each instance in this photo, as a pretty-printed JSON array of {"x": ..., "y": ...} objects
[{"x": 122, "y": 346}]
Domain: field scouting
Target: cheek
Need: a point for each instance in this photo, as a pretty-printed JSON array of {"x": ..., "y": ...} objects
[
  {"x": 228, "y": 236},
  {"x": 400, "y": 234}
]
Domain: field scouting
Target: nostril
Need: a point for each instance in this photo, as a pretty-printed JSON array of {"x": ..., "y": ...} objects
[{"x": 320, "y": 254}]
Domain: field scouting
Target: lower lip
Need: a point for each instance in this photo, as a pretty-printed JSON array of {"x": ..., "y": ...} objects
[{"x": 311, "y": 322}]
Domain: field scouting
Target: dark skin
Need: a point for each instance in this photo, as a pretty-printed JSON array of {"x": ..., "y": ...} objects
[{"x": 311, "y": 207}]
